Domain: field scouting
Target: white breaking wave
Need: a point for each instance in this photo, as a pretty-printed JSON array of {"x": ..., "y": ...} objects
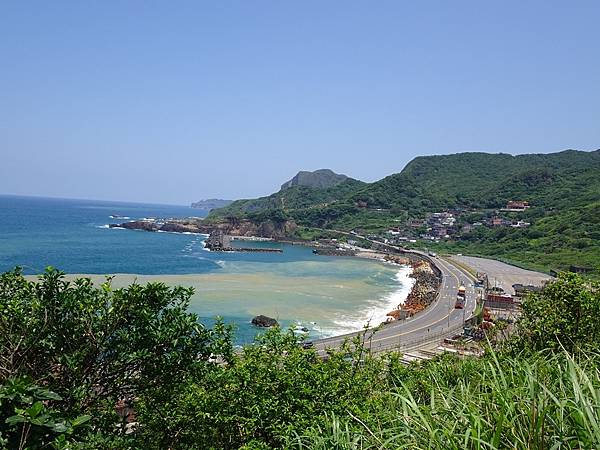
[
  {"x": 376, "y": 312},
  {"x": 102, "y": 226}
]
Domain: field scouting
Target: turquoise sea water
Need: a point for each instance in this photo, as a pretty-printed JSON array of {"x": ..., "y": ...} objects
[{"x": 328, "y": 295}]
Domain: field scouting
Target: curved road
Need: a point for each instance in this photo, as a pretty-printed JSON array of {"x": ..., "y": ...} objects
[{"x": 438, "y": 320}]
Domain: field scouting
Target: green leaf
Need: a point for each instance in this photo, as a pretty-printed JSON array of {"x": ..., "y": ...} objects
[
  {"x": 35, "y": 409},
  {"x": 15, "y": 419},
  {"x": 60, "y": 427},
  {"x": 80, "y": 420}
]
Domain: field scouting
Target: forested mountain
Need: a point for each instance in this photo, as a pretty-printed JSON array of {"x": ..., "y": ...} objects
[
  {"x": 563, "y": 190},
  {"x": 463, "y": 180},
  {"x": 292, "y": 197},
  {"x": 486, "y": 180}
]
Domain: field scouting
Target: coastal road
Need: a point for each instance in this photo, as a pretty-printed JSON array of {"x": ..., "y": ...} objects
[{"x": 438, "y": 320}]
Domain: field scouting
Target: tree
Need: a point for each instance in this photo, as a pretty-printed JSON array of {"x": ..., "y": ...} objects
[
  {"x": 30, "y": 423},
  {"x": 96, "y": 347},
  {"x": 565, "y": 314},
  {"x": 261, "y": 395}
]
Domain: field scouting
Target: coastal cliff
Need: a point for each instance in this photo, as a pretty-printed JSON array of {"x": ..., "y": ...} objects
[{"x": 268, "y": 228}]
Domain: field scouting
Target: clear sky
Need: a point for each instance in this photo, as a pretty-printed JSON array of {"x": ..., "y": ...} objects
[{"x": 175, "y": 101}]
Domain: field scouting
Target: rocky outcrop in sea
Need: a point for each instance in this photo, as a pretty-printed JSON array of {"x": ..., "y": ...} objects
[
  {"x": 268, "y": 229},
  {"x": 264, "y": 321}
]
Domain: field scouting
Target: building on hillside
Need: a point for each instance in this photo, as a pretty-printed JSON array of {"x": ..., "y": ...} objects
[
  {"x": 416, "y": 223},
  {"x": 441, "y": 224},
  {"x": 496, "y": 221},
  {"x": 467, "y": 228},
  {"x": 520, "y": 224},
  {"x": 516, "y": 206},
  {"x": 440, "y": 232}
]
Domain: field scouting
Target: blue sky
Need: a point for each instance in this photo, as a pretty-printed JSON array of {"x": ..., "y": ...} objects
[{"x": 176, "y": 101}]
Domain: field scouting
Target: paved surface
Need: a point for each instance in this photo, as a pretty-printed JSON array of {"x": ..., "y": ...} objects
[
  {"x": 434, "y": 323},
  {"x": 502, "y": 274}
]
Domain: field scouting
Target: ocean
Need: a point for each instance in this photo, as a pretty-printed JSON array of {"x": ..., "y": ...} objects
[{"x": 327, "y": 295}]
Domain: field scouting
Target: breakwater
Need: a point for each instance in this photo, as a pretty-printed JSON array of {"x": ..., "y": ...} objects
[
  {"x": 325, "y": 251},
  {"x": 218, "y": 241},
  {"x": 424, "y": 291}
]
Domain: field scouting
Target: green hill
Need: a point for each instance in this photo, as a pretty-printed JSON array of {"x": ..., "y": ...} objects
[
  {"x": 562, "y": 188},
  {"x": 476, "y": 180},
  {"x": 293, "y": 197}
]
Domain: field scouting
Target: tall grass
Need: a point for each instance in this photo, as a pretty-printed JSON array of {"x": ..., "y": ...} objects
[{"x": 534, "y": 402}]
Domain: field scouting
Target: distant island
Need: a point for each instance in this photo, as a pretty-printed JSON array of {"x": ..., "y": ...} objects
[{"x": 210, "y": 204}]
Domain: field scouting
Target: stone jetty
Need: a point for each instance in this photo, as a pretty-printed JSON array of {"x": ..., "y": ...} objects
[
  {"x": 423, "y": 292},
  {"x": 327, "y": 251},
  {"x": 218, "y": 241}
]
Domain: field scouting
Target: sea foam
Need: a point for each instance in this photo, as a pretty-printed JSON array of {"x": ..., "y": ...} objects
[{"x": 376, "y": 311}]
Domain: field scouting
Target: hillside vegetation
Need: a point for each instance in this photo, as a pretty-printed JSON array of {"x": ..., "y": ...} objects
[
  {"x": 562, "y": 188},
  {"x": 292, "y": 198},
  {"x": 321, "y": 179},
  {"x": 90, "y": 367},
  {"x": 483, "y": 180}
]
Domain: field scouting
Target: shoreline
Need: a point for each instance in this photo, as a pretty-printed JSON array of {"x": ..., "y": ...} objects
[
  {"x": 328, "y": 306},
  {"x": 408, "y": 298},
  {"x": 378, "y": 314},
  {"x": 324, "y": 319},
  {"x": 424, "y": 288}
]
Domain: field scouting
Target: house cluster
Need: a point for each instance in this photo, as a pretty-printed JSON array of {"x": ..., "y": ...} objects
[
  {"x": 447, "y": 224},
  {"x": 396, "y": 236},
  {"x": 441, "y": 225},
  {"x": 435, "y": 226}
]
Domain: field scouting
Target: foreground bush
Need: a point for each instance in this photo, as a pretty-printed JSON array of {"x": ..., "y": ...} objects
[
  {"x": 71, "y": 352},
  {"x": 533, "y": 402},
  {"x": 97, "y": 348}
]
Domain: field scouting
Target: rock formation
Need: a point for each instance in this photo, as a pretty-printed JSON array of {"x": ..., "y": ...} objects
[
  {"x": 242, "y": 227},
  {"x": 264, "y": 321},
  {"x": 320, "y": 179}
]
